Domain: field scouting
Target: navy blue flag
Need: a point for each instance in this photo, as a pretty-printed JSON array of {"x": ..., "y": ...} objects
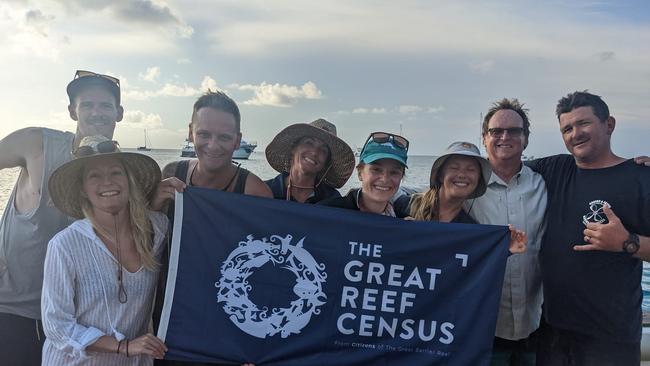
[{"x": 280, "y": 283}]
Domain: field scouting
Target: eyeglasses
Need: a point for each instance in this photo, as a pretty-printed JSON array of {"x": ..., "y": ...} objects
[
  {"x": 101, "y": 148},
  {"x": 512, "y": 131},
  {"x": 384, "y": 137},
  {"x": 84, "y": 73}
]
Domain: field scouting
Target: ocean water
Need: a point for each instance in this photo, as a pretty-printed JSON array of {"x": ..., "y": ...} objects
[{"x": 417, "y": 176}]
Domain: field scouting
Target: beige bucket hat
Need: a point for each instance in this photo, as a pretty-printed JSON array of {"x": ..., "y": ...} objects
[
  {"x": 65, "y": 184},
  {"x": 466, "y": 149}
]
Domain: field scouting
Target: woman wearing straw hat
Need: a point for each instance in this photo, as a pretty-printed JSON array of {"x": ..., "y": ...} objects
[
  {"x": 459, "y": 174},
  {"x": 101, "y": 271},
  {"x": 312, "y": 162},
  {"x": 381, "y": 167}
]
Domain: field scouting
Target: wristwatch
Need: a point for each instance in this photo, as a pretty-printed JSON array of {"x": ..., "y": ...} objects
[{"x": 631, "y": 245}]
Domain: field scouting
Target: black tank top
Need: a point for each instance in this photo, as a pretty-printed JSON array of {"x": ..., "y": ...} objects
[{"x": 240, "y": 181}]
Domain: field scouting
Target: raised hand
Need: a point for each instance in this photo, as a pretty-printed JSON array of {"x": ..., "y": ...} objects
[
  {"x": 607, "y": 237},
  {"x": 165, "y": 192},
  {"x": 518, "y": 240}
]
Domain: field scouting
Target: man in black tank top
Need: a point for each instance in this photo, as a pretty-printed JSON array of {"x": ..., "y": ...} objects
[{"x": 215, "y": 132}]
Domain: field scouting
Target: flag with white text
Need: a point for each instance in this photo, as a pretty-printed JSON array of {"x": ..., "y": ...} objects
[{"x": 281, "y": 283}]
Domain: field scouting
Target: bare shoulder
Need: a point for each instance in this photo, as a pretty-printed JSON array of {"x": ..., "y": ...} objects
[
  {"x": 170, "y": 169},
  {"x": 21, "y": 146},
  {"x": 256, "y": 187}
]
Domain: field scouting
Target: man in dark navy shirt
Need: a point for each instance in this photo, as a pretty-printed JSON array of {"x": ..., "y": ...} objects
[{"x": 597, "y": 235}]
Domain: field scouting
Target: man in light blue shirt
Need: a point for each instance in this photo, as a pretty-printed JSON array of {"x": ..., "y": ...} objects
[{"x": 515, "y": 195}]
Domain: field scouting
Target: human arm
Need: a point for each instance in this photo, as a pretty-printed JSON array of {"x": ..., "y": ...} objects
[
  {"x": 146, "y": 344},
  {"x": 21, "y": 147},
  {"x": 167, "y": 188},
  {"x": 518, "y": 240},
  {"x": 642, "y": 160},
  {"x": 256, "y": 187},
  {"x": 58, "y": 308},
  {"x": 610, "y": 237}
]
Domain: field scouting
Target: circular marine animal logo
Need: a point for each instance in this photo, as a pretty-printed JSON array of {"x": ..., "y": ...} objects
[
  {"x": 597, "y": 215},
  {"x": 234, "y": 287}
]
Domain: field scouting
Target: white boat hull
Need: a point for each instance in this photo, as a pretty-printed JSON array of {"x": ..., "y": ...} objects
[{"x": 245, "y": 150}]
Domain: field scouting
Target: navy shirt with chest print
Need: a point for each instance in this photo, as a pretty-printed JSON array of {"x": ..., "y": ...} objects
[{"x": 595, "y": 293}]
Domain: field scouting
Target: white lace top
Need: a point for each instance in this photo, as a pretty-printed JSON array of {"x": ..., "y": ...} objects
[{"x": 80, "y": 297}]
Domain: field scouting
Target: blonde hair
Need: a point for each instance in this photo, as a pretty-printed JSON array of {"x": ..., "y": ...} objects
[
  {"x": 141, "y": 228},
  {"x": 426, "y": 206}
]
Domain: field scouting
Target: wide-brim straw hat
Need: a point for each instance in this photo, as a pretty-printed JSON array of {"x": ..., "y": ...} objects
[
  {"x": 66, "y": 182},
  {"x": 341, "y": 164},
  {"x": 466, "y": 149}
]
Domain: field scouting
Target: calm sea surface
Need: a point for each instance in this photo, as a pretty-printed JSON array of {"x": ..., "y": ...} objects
[{"x": 417, "y": 176}]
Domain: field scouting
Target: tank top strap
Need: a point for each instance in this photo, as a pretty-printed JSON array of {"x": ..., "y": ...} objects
[
  {"x": 240, "y": 186},
  {"x": 181, "y": 173},
  {"x": 181, "y": 170}
]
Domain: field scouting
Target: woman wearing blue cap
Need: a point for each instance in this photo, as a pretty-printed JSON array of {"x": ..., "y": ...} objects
[{"x": 381, "y": 168}]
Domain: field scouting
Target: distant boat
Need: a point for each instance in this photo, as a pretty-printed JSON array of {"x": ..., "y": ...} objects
[
  {"x": 145, "y": 147},
  {"x": 188, "y": 150},
  {"x": 245, "y": 150}
]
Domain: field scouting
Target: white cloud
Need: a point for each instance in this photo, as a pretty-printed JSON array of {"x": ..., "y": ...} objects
[
  {"x": 171, "y": 90},
  {"x": 138, "y": 119},
  {"x": 464, "y": 27},
  {"x": 55, "y": 120},
  {"x": 409, "y": 109},
  {"x": 151, "y": 74},
  {"x": 279, "y": 95},
  {"x": 142, "y": 13},
  {"x": 437, "y": 109},
  {"x": 27, "y": 33},
  {"x": 208, "y": 83},
  {"x": 362, "y": 110},
  {"x": 38, "y": 21},
  {"x": 183, "y": 61}
]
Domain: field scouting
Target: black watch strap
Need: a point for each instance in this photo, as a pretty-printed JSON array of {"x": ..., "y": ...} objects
[{"x": 631, "y": 245}]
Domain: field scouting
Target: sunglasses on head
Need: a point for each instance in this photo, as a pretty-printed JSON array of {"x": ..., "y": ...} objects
[
  {"x": 101, "y": 148},
  {"x": 84, "y": 73},
  {"x": 384, "y": 137},
  {"x": 512, "y": 131}
]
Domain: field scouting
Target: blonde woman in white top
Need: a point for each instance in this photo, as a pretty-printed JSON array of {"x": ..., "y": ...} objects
[{"x": 101, "y": 271}]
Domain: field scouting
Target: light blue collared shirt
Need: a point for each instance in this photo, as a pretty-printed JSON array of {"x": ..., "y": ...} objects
[{"x": 522, "y": 203}]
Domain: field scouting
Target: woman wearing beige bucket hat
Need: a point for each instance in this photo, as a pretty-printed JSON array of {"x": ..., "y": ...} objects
[
  {"x": 312, "y": 162},
  {"x": 459, "y": 174},
  {"x": 100, "y": 272}
]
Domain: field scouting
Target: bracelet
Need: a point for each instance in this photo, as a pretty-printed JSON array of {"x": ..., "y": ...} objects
[
  {"x": 127, "y": 348},
  {"x": 119, "y": 344}
]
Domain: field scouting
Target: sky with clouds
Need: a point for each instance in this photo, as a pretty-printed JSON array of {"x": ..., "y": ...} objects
[{"x": 429, "y": 68}]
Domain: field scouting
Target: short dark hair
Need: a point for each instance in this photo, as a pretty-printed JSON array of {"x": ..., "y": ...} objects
[
  {"x": 219, "y": 101},
  {"x": 583, "y": 98},
  {"x": 511, "y": 104}
]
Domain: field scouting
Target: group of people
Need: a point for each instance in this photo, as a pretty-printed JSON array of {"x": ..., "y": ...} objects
[{"x": 83, "y": 253}]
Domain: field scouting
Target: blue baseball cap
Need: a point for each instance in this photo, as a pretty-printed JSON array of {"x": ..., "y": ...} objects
[{"x": 374, "y": 151}]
